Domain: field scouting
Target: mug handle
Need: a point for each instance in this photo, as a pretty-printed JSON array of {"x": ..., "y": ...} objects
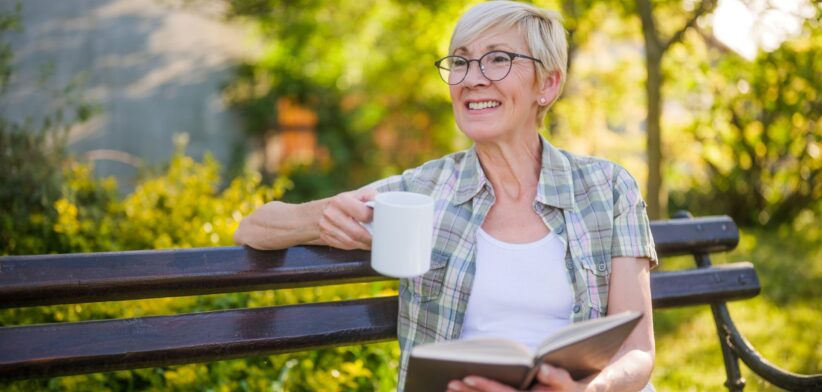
[{"x": 369, "y": 226}]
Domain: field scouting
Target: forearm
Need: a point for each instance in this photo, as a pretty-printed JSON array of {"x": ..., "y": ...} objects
[
  {"x": 630, "y": 371},
  {"x": 278, "y": 225}
]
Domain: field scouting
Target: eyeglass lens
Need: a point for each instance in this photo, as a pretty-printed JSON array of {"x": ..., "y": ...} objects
[{"x": 493, "y": 65}]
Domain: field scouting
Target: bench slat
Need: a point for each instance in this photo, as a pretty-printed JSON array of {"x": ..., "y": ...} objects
[
  {"x": 93, "y": 346},
  {"x": 93, "y": 277},
  {"x": 700, "y": 286},
  {"x": 111, "y": 276}
]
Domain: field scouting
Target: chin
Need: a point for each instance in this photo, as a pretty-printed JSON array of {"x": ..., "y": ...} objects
[{"x": 481, "y": 134}]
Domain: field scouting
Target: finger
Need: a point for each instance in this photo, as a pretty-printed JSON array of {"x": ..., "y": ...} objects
[
  {"x": 348, "y": 204},
  {"x": 335, "y": 236},
  {"x": 367, "y": 194},
  {"x": 347, "y": 225},
  {"x": 553, "y": 376},
  {"x": 483, "y": 384},
  {"x": 354, "y": 205},
  {"x": 336, "y": 239},
  {"x": 459, "y": 386}
]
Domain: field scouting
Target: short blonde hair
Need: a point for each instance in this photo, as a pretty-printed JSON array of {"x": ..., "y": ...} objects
[{"x": 541, "y": 28}]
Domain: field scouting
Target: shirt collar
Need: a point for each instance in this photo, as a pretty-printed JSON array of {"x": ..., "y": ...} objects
[
  {"x": 555, "y": 181},
  {"x": 471, "y": 177}
]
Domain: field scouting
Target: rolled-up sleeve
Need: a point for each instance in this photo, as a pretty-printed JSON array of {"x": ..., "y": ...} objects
[
  {"x": 632, "y": 232},
  {"x": 398, "y": 183}
]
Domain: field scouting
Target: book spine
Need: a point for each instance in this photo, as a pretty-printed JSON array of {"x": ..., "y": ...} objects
[{"x": 529, "y": 377}]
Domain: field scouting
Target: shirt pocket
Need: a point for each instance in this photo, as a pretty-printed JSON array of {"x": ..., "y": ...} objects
[
  {"x": 428, "y": 286},
  {"x": 597, "y": 271}
]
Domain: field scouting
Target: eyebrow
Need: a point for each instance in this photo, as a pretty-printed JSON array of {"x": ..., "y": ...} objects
[{"x": 488, "y": 48}]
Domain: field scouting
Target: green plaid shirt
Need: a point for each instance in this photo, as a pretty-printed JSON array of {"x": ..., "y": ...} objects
[{"x": 593, "y": 205}]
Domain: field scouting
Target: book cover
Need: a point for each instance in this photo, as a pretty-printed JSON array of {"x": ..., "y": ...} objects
[{"x": 583, "y": 348}]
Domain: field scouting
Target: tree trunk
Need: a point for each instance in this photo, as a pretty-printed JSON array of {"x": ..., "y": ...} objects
[
  {"x": 653, "y": 91},
  {"x": 657, "y": 197}
]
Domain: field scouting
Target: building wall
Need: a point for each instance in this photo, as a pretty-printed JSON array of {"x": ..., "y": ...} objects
[{"x": 154, "y": 68}]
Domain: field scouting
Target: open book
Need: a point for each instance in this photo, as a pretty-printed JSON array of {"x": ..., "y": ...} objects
[{"x": 583, "y": 348}]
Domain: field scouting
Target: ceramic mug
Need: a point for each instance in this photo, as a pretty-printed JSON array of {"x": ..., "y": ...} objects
[{"x": 401, "y": 230}]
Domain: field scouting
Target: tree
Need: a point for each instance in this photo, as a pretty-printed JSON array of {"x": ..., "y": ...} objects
[
  {"x": 761, "y": 133},
  {"x": 366, "y": 70},
  {"x": 655, "y": 48}
]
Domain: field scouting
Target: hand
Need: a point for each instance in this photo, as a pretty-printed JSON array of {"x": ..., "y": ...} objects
[
  {"x": 339, "y": 223},
  {"x": 549, "y": 378}
]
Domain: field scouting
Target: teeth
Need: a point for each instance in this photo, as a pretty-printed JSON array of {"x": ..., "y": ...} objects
[{"x": 482, "y": 105}]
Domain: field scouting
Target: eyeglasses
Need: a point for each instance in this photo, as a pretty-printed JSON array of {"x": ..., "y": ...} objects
[{"x": 494, "y": 65}]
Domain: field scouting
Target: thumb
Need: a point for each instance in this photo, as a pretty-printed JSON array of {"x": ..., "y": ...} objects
[{"x": 553, "y": 376}]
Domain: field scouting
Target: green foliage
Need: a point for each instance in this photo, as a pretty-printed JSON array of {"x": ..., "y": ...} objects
[
  {"x": 761, "y": 135},
  {"x": 32, "y": 157},
  {"x": 365, "y": 68},
  {"x": 185, "y": 207}
]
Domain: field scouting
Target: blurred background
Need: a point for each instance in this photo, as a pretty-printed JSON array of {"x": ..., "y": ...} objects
[{"x": 147, "y": 124}]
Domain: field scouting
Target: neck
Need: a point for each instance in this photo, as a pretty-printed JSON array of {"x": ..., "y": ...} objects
[{"x": 512, "y": 166}]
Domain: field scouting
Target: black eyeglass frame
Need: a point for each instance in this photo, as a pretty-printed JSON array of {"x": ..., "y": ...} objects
[{"x": 513, "y": 56}]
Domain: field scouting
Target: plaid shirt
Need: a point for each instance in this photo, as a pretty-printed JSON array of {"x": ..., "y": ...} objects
[{"x": 593, "y": 205}]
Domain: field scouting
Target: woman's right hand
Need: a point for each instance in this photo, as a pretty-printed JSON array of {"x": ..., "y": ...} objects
[{"x": 339, "y": 223}]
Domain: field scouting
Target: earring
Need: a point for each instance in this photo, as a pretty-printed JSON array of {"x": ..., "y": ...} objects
[{"x": 542, "y": 101}]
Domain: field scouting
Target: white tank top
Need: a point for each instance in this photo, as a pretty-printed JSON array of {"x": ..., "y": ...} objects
[{"x": 520, "y": 291}]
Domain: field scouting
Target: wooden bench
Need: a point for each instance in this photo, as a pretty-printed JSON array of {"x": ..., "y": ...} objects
[{"x": 49, "y": 350}]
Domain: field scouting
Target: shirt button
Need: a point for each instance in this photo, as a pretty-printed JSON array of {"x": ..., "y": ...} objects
[
  {"x": 601, "y": 267},
  {"x": 576, "y": 308},
  {"x": 569, "y": 265},
  {"x": 559, "y": 231}
]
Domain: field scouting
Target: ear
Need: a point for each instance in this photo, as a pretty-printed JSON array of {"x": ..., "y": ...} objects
[{"x": 549, "y": 88}]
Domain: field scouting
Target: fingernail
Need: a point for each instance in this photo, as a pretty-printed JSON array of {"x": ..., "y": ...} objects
[
  {"x": 470, "y": 381},
  {"x": 453, "y": 386},
  {"x": 545, "y": 369}
]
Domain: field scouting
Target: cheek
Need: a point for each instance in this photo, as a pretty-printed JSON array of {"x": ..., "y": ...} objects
[
  {"x": 454, "y": 90},
  {"x": 522, "y": 83}
]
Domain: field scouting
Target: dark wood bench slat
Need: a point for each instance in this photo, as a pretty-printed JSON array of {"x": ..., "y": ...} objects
[
  {"x": 93, "y": 346},
  {"x": 94, "y": 277},
  {"x": 111, "y": 276},
  {"x": 709, "y": 234},
  {"x": 700, "y": 286}
]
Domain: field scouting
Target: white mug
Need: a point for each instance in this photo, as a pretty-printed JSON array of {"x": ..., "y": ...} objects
[{"x": 402, "y": 229}]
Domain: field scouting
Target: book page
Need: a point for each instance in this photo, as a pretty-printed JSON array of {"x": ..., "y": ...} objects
[{"x": 479, "y": 350}]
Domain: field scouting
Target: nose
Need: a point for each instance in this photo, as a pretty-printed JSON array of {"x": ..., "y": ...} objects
[{"x": 474, "y": 77}]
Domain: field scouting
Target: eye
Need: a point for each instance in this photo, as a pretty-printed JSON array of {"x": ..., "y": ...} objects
[
  {"x": 500, "y": 58},
  {"x": 457, "y": 62}
]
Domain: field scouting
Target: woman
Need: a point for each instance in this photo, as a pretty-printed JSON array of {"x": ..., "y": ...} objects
[{"x": 525, "y": 234}]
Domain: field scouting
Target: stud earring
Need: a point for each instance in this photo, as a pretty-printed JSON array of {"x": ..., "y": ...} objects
[{"x": 542, "y": 101}]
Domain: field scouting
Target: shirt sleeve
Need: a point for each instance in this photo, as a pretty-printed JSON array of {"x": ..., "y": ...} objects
[
  {"x": 405, "y": 182},
  {"x": 388, "y": 184},
  {"x": 632, "y": 232}
]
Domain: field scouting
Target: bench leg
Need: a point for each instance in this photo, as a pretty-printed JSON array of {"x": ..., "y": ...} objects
[{"x": 734, "y": 382}]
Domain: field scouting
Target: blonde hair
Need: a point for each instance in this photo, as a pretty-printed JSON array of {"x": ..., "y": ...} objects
[{"x": 541, "y": 28}]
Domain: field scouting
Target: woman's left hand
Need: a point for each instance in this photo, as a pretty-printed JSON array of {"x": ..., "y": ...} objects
[{"x": 549, "y": 379}]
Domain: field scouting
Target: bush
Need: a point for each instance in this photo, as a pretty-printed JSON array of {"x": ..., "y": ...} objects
[{"x": 183, "y": 207}]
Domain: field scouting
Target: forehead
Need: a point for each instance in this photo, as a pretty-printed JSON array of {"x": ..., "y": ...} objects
[{"x": 509, "y": 39}]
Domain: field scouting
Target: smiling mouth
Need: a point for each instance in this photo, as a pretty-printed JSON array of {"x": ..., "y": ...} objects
[{"x": 482, "y": 105}]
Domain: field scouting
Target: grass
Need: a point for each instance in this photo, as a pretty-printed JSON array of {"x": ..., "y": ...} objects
[{"x": 782, "y": 323}]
